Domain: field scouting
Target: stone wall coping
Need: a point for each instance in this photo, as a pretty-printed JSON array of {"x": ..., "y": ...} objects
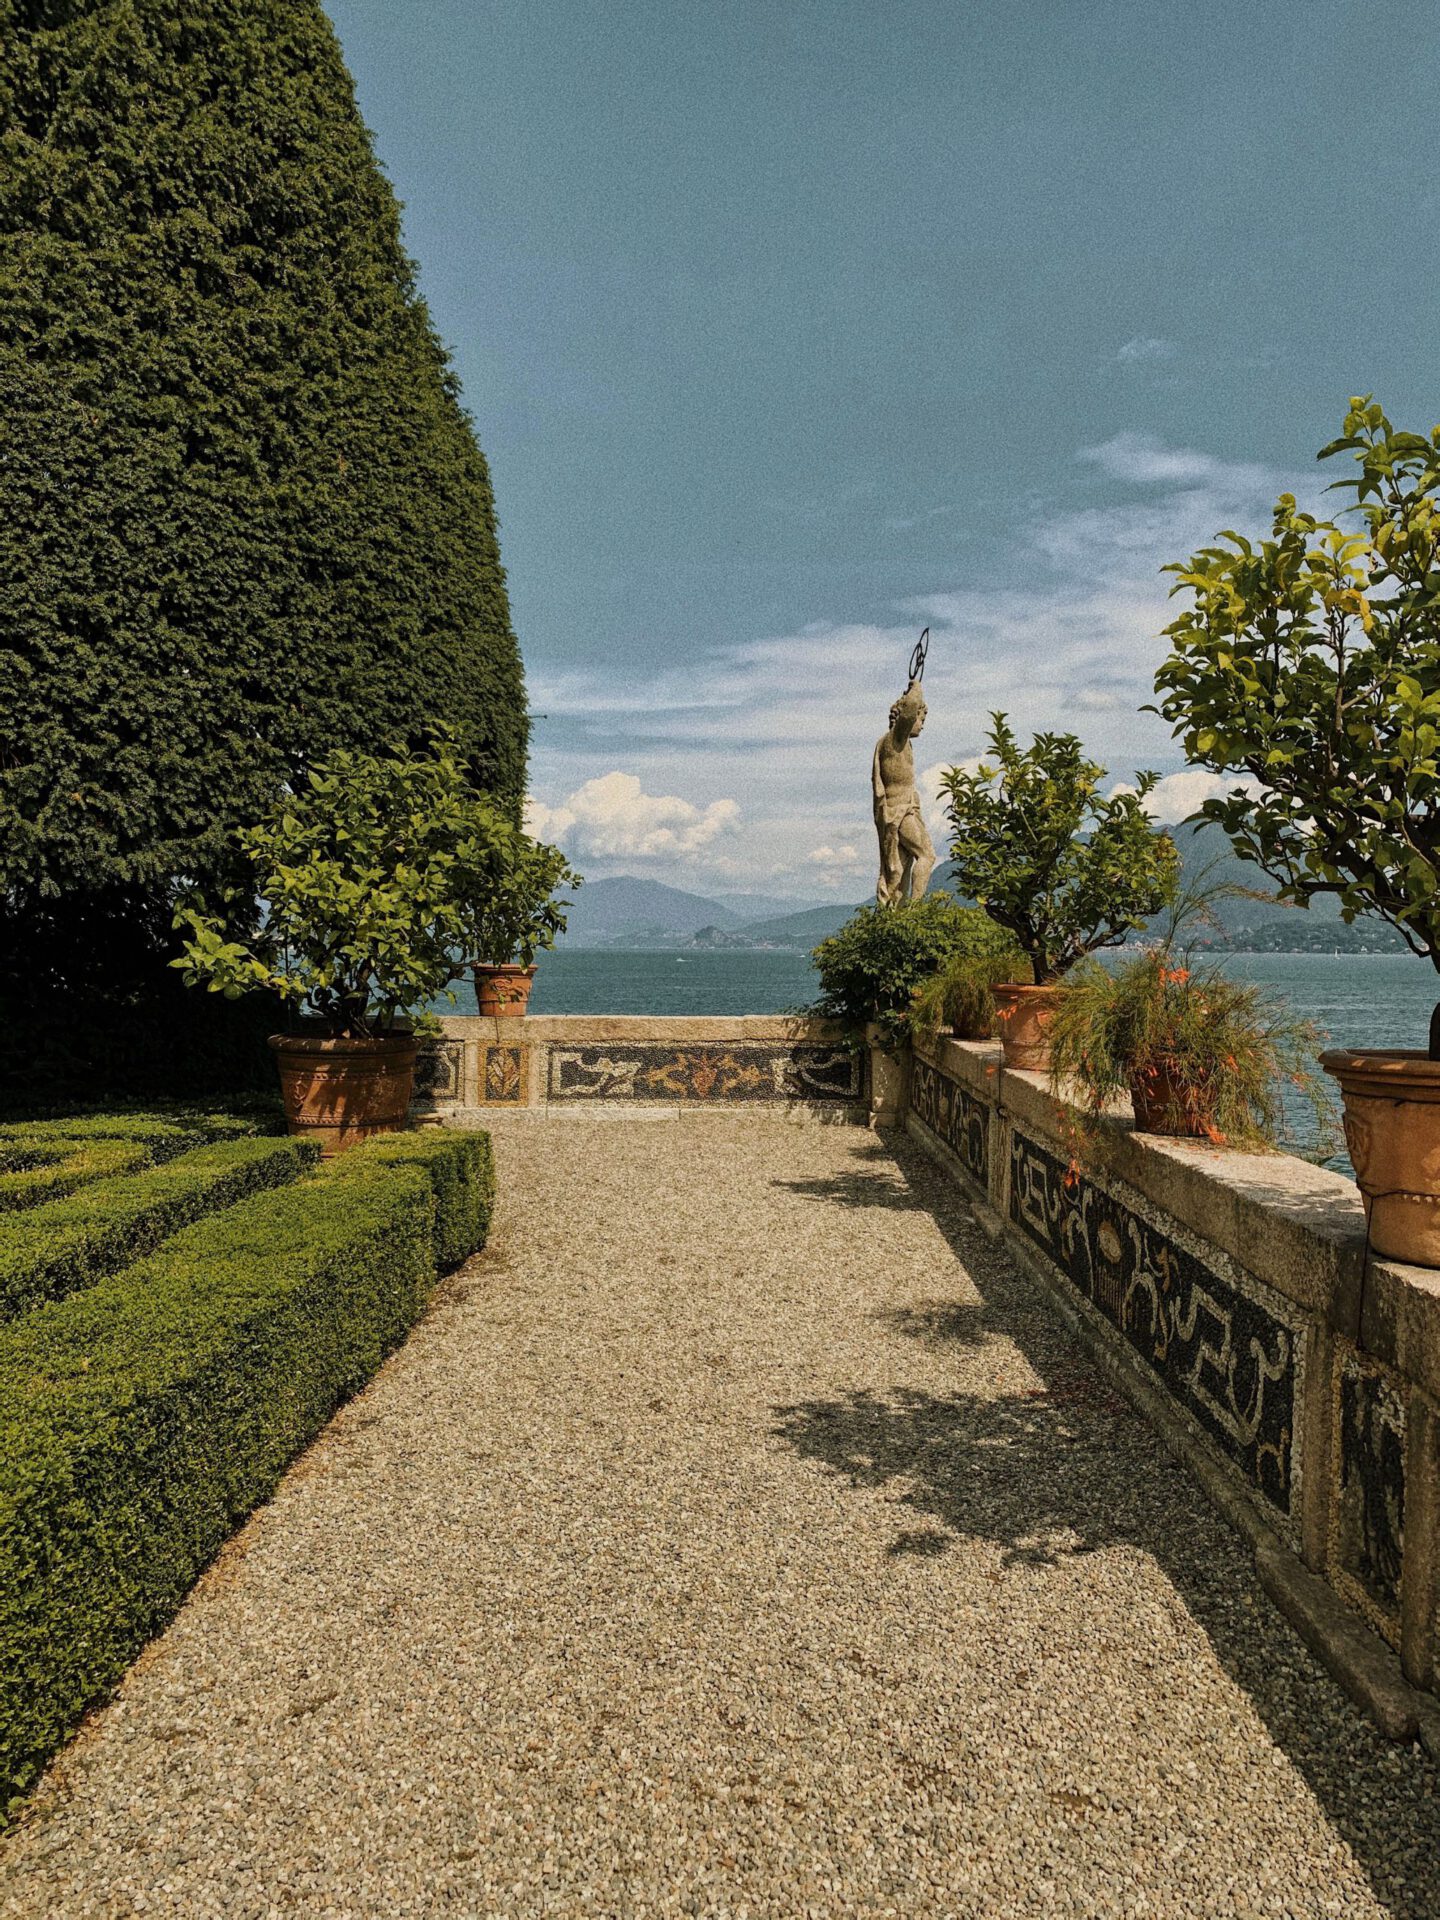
[
  {"x": 1400, "y": 1321},
  {"x": 591, "y": 1029},
  {"x": 1297, "y": 1227}
]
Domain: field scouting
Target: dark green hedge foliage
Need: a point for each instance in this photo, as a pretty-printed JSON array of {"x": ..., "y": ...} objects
[
  {"x": 142, "y": 1419},
  {"x": 90, "y": 1007},
  {"x": 55, "y": 1249},
  {"x": 462, "y": 1173},
  {"x": 48, "y": 1170},
  {"x": 243, "y": 514},
  {"x": 168, "y": 1131}
]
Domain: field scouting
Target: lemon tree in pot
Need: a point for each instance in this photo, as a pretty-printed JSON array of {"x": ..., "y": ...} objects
[
  {"x": 511, "y": 914},
  {"x": 1309, "y": 663},
  {"x": 1063, "y": 868},
  {"x": 362, "y": 873}
]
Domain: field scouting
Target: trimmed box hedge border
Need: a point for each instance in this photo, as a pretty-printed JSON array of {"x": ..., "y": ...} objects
[
  {"x": 55, "y": 1249},
  {"x": 49, "y": 1169},
  {"x": 142, "y": 1419}
]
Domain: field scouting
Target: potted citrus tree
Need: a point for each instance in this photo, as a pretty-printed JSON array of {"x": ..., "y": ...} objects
[
  {"x": 510, "y": 914},
  {"x": 1063, "y": 868},
  {"x": 363, "y": 875},
  {"x": 1310, "y": 662}
]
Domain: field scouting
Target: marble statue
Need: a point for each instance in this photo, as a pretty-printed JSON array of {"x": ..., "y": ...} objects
[{"x": 907, "y": 856}]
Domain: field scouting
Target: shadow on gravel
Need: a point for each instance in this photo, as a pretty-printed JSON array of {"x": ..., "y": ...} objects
[
  {"x": 939, "y": 1323},
  {"x": 1071, "y": 1469},
  {"x": 855, "y": 1190}
]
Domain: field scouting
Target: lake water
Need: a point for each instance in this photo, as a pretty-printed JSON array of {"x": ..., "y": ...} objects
[
  {"x": 1370, "y": 1000},
  {"x": 1376, "y": 1000}
]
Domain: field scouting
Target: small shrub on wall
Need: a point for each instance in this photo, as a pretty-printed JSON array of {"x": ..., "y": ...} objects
[{"x": 871, "y": 969}]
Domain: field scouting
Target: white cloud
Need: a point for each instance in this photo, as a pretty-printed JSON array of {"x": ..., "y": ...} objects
[
  {"x": 1067, "y": 637},
  {"x": 613, "y": 818},
  {"x": 1177, "y": 795},
  {"x": 1145, "y": 347},
  {"x": 835, "y": 856}
]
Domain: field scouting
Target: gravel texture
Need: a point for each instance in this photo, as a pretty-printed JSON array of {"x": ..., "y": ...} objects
[{"x": 740, "y": 1535}]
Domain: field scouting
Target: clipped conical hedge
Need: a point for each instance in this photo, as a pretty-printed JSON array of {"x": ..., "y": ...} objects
[{"x": 243, "y": 516}]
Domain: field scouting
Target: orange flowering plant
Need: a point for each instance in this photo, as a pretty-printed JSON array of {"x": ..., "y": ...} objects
[{"x": 1199, "y": 1053}]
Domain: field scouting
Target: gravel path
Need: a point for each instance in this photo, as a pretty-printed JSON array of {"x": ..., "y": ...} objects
[{"x": 740, "y": 1535}]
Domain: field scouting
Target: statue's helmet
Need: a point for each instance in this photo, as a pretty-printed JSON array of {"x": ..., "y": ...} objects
[{"x": 911, "y": 706}]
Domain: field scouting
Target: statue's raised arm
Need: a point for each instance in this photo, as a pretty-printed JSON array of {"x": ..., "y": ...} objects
[{"x": 907, "y": 856}]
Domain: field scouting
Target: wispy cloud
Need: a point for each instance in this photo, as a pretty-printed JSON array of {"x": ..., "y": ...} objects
[
  {"x": 1067, "y": 637},
  {"x": 1145, "y": 347}
]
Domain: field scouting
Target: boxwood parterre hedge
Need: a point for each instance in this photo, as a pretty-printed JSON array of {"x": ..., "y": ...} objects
[
  {"x": 50, "y": 1250},
  {"x": 142, "y": 1418},
  {"x": 49, "y": 1169}
]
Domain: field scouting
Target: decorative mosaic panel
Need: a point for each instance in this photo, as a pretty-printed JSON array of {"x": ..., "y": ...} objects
[
  {"x": 1367, "y": 1521},
  {"x": 502, "y": 1076},
  {"x": 954, "y": 1115},
  {"x": 746, "y": 1070},
  {"x": 438, "y": 1066},
  {"x": 1212, "y": 1338}
]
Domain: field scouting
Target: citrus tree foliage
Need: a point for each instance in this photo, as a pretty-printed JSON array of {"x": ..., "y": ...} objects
[
  {"x": 510, "y": 912},
  {"x": 1311, "y": 662},
  {"x": 243, "y": 517},
  {"x": 372, "y": 875},
  {"x": 1066, "y": 869}
]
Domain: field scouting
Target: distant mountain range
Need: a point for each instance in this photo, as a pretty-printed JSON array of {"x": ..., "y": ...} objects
[{"x": 627, "y": 912}]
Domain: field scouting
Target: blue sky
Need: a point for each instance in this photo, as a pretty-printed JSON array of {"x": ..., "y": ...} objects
[{"x": 789, "y": 328}]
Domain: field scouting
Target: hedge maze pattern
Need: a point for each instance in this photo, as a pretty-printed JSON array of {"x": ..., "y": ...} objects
[{"x": 178, "y": 1328}]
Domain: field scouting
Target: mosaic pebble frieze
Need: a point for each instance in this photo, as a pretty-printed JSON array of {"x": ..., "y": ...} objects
[
  {"x": 1367, "y": 1522},
  {"x": 438, "y": 1068},
  {"x": 503, "y": 1076},
  {"x": 953, "y": 1115},
  {"x": 1221, "y": 1351},
  {"x": 715, "y": 1075}
]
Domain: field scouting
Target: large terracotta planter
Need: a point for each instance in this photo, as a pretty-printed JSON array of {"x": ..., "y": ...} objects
[
  {"x": 340, "y": 1092},
  {"x": 1161, "y": 1106},
  {"x": 502, "y": 992},
  {"x": 1392, "y": 1128},
  {"x": 1022, "y": 1018}
]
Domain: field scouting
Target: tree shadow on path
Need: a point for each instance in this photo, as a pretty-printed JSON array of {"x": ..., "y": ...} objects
[{"x": 1070, "y": 1469}]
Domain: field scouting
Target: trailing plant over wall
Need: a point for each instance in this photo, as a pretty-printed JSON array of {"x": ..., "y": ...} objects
[
  {"x": 960, "y": 994},
  {"x": 1064, "y": 868},
  {"x": 1214, "y": 1054},
  {"x": 1310, "y": 662}
]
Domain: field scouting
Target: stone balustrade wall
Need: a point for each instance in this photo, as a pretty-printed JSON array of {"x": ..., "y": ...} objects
[
  {"x": 1235, "y": 1295},
  {"x": 636, "y": 1064}
]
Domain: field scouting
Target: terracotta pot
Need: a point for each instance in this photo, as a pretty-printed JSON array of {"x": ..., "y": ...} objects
[
  {"x": 1161, "y": 1106},
  {"x": 979, "y": 1027},
  {"x": 502, "y": 992},
  {"x": 1022, "y": 1018},
  {"x": 1392, "y": 1128},
  {"x": 339, "y": 1092}
]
